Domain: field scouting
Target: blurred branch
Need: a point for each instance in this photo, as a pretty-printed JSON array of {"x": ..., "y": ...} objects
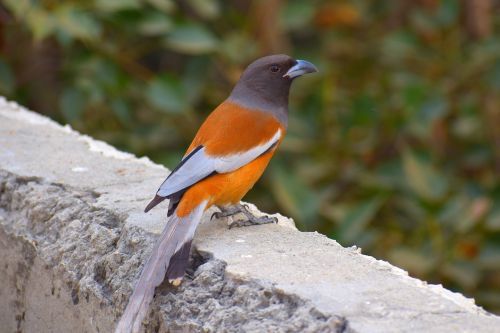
[
  {"x": 37, "y": 67},
  {"x": 125, "y": 61},
  {"x": 398, "y": 16},
  {"x": 492, "y": 113},
  {"x": 269, "y": 33},
  {"x": 478, "y": 18}
]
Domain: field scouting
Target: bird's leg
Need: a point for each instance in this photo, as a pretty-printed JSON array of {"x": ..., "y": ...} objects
[
  {"x": 226, "y": 211},
  {"x": 250, "y": 219}
]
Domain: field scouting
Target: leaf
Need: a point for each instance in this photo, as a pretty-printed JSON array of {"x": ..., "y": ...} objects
[
  {"x": 191, "y": 83},
  {"x": 166, "y": 6},
  {"x": 493, "y": 219},
  {"x": 412, "y": 260},
  {"x": 238, "y": 47},
  {"x": 116, "y": 5},
  {"x": 19, "y": 7},
  {"x": 397, "y": 46},
  {"x": 462, "y": 213},
  {"x": 465, "y": 273},
  {"x": 166, "y": 94},
  {"x": 388, "y": 175},
  {"x": 434, "y": 108},
  {"x": 356, "y": 219},
  {"x": 448, "y": 13},
  {"x": 293, "y": 195},
  {"x": 71, "y": 104},
  {"x": 297, "y": 14},
  {"x": 363, "y": 111},
  {"x": 122, "y": 110},
  {"x": 423, "y": 178},
  {"x": 427, "y": 114},
  {"x": 207, "y": 9},
  {"x": 77, "y": 23},
  {"x": 489, "y": 258},
  {"x": 6, "y": 78},
  {"x": 453, "y": 209},
  {"x": 413, "y": 92},
  {"x": 493, "y": 76},
  {"x": 467, "y": 127},
  {"x": 155, "y": 23},
  {"x": 41, "y": 23},
  {"x": 191, "y": 39}
]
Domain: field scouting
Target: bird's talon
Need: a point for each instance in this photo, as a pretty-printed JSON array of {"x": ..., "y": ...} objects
[{"x": 253, "y": 220}]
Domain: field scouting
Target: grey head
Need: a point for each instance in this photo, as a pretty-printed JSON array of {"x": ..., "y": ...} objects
[{"x": 265, "y": 84}]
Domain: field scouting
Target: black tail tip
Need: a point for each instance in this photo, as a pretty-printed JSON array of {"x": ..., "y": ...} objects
[
  {"x": 156, "y": 200},
  {"x": 178, "y": 264}
]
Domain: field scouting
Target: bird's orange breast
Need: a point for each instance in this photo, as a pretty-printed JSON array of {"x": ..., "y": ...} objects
[{"x": 231, "y": 129}]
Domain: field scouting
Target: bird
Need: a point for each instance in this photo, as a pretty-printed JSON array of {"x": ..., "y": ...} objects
[{"x": 227, "y": 156}]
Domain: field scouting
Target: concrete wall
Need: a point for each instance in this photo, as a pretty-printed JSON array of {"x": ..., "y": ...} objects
[{"x": 73, "y": 238}]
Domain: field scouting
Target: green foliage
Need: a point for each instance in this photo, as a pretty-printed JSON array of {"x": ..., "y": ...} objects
[{"x": 394, "y": 146}]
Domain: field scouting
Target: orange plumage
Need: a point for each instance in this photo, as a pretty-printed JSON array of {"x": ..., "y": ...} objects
[{"x": 230, "y": 129}]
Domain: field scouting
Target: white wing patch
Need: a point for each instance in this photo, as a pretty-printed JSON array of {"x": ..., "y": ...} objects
[
  {"x": 200, "y": 165},
  {"x": 228, "y": 163}
]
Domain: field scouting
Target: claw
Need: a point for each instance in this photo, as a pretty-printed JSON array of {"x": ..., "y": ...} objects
[
  {"x": 242, "y": 209},
  {"x": 253, "y": 220}
]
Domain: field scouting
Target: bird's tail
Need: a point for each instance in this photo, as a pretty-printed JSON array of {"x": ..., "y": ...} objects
[{"x": 169, "y": 257}]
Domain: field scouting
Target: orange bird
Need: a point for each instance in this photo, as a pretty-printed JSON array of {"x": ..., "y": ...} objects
[{"x": 227, "y": 156}]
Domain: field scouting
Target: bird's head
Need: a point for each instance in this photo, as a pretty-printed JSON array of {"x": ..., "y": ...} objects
[
  {"x": 276, "y": 69},
  {"x": 265, "y": 83}
]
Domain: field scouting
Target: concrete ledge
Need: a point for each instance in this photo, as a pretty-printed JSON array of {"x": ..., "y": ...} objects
[{"x": 73, "y": 238}]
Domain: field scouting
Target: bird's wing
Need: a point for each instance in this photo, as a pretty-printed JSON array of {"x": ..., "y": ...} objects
[{"x": 198, "y": 164}]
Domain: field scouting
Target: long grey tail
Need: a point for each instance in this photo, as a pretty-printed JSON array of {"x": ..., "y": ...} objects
[{"x": 169, "y": 256}]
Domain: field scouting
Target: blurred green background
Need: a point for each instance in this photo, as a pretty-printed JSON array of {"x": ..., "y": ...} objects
[{"x": 394, "y": 146}]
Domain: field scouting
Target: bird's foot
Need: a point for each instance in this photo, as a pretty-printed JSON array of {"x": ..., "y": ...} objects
[
  {"x": 226, "y": 211},
  {"x": 249, "y": 220},
  {"x": 253, "y": 220}
]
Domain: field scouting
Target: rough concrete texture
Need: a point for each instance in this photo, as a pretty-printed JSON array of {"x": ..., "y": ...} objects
[{"x": 73, "y": 238}]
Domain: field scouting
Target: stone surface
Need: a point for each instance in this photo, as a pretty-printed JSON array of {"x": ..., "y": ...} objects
[{"x": 73, "y": 238}]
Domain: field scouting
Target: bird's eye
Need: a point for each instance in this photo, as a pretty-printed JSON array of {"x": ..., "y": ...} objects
[{"x": 274, "y": 68}]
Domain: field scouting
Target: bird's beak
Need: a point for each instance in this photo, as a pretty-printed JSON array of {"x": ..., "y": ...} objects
[{"x": 300, "y": 68}]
